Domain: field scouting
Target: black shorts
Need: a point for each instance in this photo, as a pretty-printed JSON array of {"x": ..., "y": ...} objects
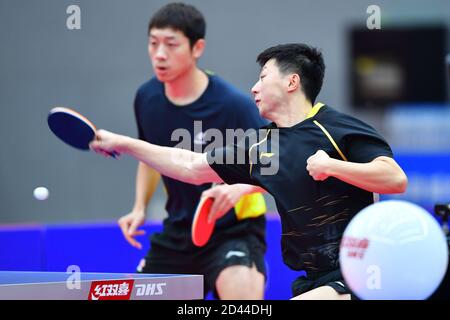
[
  {"x": 208, "y": 261},
  {"x": 332, "y": 279}
]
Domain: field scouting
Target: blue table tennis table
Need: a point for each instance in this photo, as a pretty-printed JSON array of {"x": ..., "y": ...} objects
[{"x": 19, "y": 285}]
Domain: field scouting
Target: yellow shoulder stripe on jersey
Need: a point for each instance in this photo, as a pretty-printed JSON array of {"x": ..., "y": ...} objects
[
  {"x": 250, "y": 206},
  {"x": 331, "y": 139},
  {"x": 314, "y": 110}
]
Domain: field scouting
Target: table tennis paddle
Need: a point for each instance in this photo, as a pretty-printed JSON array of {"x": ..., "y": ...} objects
[
  {"x": 72, "y": 128},
  {"x": 201, "y": 228}
]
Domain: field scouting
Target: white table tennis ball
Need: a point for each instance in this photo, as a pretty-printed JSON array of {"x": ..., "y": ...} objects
[
  {"x": 393, "y": 250},
  {"x": 41, "y": 193}
]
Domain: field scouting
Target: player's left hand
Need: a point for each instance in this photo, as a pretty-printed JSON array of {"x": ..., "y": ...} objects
[
  {"x": 225, "y": 197},
  {"x": 318, "y": 165}
]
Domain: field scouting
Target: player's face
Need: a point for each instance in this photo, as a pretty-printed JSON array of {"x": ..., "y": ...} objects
[
  {"x": 171, "y": 53},
  {"x": 270, "y": 90}
]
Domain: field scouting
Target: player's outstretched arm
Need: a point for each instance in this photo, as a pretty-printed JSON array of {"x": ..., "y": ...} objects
[
  {"x": 183, "y": 165},
  {"x": 381, "y": 175}
]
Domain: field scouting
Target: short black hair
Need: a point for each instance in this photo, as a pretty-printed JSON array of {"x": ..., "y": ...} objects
[
  {"x": 298, "y": 58},
  {"x": 182, "y": 17}
]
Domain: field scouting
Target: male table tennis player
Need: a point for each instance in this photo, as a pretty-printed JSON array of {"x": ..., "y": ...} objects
[
  {"x": 330, "y": 165},
  {"x": 232, "y": 261}
]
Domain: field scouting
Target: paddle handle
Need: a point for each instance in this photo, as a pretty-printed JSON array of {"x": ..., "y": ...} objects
[{"x": 113, "y": 154}]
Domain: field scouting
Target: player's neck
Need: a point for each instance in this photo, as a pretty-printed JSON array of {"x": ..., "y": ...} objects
[
  {"x": 293, "y": 112},
  {"x": 187, "y": 88}
]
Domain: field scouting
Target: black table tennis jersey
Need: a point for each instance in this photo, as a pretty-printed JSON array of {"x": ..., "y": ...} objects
[
  {"x": 161, "y": 122},
  {"x": 313, "y": 214}
]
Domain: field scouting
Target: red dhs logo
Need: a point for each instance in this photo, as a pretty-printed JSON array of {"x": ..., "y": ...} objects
[
  {"x": 111, "y": 290},
  {"x": 355, "y": 247}
]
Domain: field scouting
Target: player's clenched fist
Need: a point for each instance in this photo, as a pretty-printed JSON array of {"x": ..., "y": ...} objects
[{"x": 318, "y": 165}]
